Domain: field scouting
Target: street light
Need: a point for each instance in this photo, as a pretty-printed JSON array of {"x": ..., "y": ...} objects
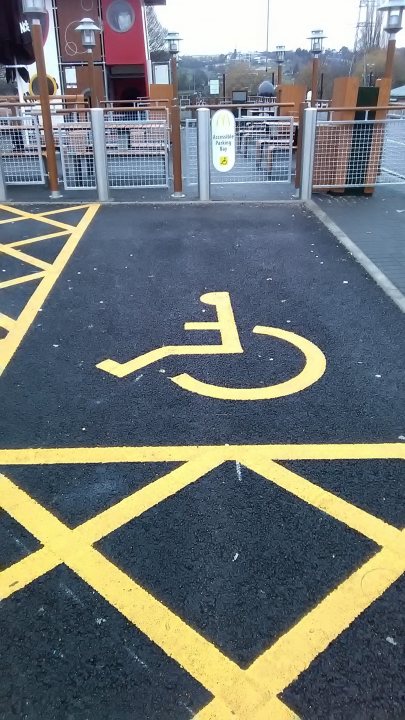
[
  {"x": 173, "y": 45},
  {"x": 317, "y": 38},
  {"x": 88, "y": 29},
  {"x": 34, "y": 10},
  {"x": 394, "y": 10},
  {"x": 280, "y": 50}
]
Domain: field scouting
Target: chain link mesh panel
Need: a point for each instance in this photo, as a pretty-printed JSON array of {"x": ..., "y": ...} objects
[
  {"x": 360, "y": 153},
  {"x": 190, "y": 152},
  {"x": 20, "y": 151},
  {"x": 137, "y": 153},
  {"x": 77, "y": 155}
]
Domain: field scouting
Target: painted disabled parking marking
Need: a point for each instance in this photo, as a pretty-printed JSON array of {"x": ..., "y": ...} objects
[
  {"x": 251, "y": 694},
  {"x": 315, "y": 361},
  {"x": 47, "y": 273}
]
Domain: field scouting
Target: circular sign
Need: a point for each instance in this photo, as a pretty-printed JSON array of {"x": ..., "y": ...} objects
[{"x": 120, "y": 16}]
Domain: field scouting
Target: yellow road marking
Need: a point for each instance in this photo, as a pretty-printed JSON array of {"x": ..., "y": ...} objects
[
  {"x": 241, "y": 694},
  {"x": 31, "y": 241},
  {"x": 47, "y": 213},
  {"x": 6, "y": 322},
  {"x": 10, "y": 344},
  {"x": 368, "y": 525},
  {"x": 20, "y": 280},
  {"x": 315, "y": 366},
  {"x": 173, "y": 453},
  {"x": 24, "y": 215},
  {"x": 23, "y": 257},
  {"x": 225, "y": 325}
]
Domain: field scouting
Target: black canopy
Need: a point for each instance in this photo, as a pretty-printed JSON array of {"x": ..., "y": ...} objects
[{"x": 15, "y": 38}]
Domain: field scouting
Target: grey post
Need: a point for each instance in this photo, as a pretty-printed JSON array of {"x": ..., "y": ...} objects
[
  {"x": 100, "y": 154},
  {"x": 3, "y": 191},
  {"x": 203, "y": 155},
  {"x": 308, "y": 153}
]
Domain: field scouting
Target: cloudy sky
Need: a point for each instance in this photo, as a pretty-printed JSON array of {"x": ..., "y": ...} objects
[{"x": 214, "y": 26}]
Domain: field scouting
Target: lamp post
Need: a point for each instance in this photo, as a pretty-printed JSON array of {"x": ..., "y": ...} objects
[
  {"x": 280, "y": 49},
  {"x": 394, "y": 10},
  {"x": 173, "y": 44},
  {"x": 34, "y": 10},
  {"x": 88, "y": 29},
  {"x": 317, "y": 38}
]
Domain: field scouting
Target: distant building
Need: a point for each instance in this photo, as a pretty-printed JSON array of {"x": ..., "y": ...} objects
[
  {"x": 398, "y": 94},
  {"x": 123, "y": 68}
]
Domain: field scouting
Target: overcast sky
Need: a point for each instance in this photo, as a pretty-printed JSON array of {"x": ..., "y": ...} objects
[{"x": 215, "y": 26}]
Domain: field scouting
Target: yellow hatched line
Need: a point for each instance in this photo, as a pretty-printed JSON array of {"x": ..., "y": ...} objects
[
  {"x": 64, "y": 210},
  {"x": 18, "y": 255},
  {"x": 24, "y": 215},
  {"x": 26, "y": 317},
  {"x": 6, "y": 322},
  {"x": 30, "y": 241},
  {"x": 196, "y": 655},
  {"x": 243, "y": 695},
  {"x": 20, "y": 280}
]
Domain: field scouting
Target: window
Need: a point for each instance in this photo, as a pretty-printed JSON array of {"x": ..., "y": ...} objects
[{"x": 120, "y": 16}]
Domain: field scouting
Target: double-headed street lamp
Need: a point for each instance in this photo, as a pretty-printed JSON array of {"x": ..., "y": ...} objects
[
  {"x": 280, "y": 50},
  {"x": 173, "y": 45},
  {"x": 88, "y": 29},
  {"x": 317, "y": 38},
  {"x": 33, "y": 11},
  {"x": 394, "y": 10}
]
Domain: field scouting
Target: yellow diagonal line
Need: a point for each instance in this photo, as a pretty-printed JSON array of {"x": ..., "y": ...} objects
[
  {"x": 30, "y": 241},
  {"x": 63, "y": 210},
  {"x": 20, "y": 280},
  {"x": 359, "y": 520},
  {"x": 6, "y": 322},
  {"x": 24, "y": 572},
  {"x": 24, "y": 215},
  {"x": 37, "y": 299},
  {"x": 18, "y": 255},
  {"x": 196, "y": 655}
]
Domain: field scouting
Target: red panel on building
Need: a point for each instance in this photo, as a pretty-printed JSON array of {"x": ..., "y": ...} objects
[{"x": 124, "y": 33}]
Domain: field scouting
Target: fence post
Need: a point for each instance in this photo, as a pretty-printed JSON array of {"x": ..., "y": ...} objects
[
  {"x": 3, "y": 191},
  {"x": 203, "y": 152},
  {"x": 100, "y": 153},
  {"x": 308, "y": 153}
]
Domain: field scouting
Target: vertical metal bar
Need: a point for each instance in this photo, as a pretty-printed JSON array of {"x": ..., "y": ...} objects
[
  {"x": 100, "y": 153},
  {"x": 3, "y": 191},
  {"x": 389, "y": 63},
  {"x": 37, "y": 42},
  {"x": 315, "y": 80},
  {"x": 203, "y": 153},
  {"x": 308, "y": 153},
  {"x": 92, "y": 79},
  {"x": 176, "y": 134}
]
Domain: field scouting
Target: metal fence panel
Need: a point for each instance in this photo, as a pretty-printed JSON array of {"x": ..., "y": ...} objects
[
  {"x": 21, "y": 152},
  {"x": 137, "y": 153},
  {"x": 77, "y": 156},
  {"x": 190, "y": 151},
  {"x": 359, "y": 153}
]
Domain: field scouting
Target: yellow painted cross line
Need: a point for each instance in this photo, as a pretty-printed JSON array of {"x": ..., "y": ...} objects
[
  {"x": 20, "y": 280},
  {"x": 24, "y": 215},
  {"x": 64, "y": 210},
  {"x": 250, "y": 694},
  {"x": 6, "y": 322},
  {"x": 30, "y": 241},
  {"x": 18, "y": 255}
]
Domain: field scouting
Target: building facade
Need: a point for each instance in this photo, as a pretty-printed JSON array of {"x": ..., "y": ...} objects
[{"x": 121, "y": 56}]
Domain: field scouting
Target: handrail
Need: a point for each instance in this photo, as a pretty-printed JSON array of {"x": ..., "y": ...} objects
[{"x": 243, "y": 106}]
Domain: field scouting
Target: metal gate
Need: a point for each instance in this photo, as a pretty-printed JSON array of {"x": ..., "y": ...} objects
[{"x": 264, "y": 152}]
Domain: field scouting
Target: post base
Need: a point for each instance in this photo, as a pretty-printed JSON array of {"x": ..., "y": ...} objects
[
  {"x": 55, "y": 194},
  {"x": 178, "y": 195}
]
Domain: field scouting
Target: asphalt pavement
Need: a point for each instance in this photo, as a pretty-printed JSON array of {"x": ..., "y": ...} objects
[{"x": 214, "y": 529}]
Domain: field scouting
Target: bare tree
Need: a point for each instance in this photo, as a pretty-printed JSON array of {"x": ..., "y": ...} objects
[{"x": 156, "y": 32}]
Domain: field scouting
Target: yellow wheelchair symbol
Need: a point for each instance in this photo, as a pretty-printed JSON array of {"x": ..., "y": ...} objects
[
  {"x": 223, "y": 160},
  {"x": 315, "y": 361}
]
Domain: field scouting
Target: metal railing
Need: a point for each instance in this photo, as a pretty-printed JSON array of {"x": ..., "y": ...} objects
[
  {"x": 137, "y": 153},
  {"x": 20, "y": 151}
]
